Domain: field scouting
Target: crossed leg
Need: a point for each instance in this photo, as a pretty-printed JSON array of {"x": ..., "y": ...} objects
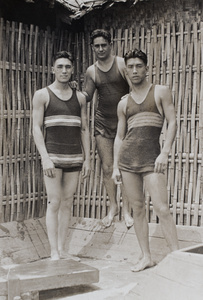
[{"x": 105, "y": 151}]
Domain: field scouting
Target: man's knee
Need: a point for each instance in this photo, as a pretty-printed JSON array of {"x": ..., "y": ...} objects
[
  {"x": 53, "y": 203},
  {"x": 138, "y": 209},
  {"x": 163, "y": 212},
  {"x": 107, "y": 170},
  {"x": 66, "y": 202}
]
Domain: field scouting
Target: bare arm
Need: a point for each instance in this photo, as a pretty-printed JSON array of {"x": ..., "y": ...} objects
[
  {"x": 121, "y": 131},
  {"x": 165, "y": 102},
  {"x": 85, "y": 136},
  {"x": 89, "y": 83},
  {"x": 122, "y": 69},
  {"x": 39, "y": 101}
]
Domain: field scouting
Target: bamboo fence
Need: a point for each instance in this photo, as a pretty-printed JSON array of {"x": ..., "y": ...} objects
[{"x": 175, "y": 54}]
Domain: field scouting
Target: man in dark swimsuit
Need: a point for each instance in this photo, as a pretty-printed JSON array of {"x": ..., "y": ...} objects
[
  {"x": 108, "y": 78},
  {"x": 63, "y": 113},
  {"x": 137, "y": 155}
]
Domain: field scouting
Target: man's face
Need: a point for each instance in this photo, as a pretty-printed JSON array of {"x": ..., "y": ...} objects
[
  {"x": 63, "y": 69},
  {"x": 136, "y": 70},
  {"x": 102, "y": 48}
]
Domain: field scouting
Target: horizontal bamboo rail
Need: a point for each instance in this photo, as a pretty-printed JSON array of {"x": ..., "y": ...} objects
[{"x": 175, "y": 54}]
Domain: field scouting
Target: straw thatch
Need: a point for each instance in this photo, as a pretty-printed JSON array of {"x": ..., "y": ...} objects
[
  {"x": 76, "y": 9},
  {"x": 82, "y": 7}
]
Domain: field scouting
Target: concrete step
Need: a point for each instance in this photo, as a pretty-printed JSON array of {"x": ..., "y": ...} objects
[{"x": 45, "y": 275}]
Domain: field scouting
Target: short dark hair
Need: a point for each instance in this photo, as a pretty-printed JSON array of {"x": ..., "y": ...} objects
[
  {"x": 63, "y": 54},
  {"x": 100, "y": 33},
  {"x": 136, "y": 53}
]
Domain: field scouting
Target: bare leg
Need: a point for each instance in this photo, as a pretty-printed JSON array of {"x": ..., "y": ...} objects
[
  {"x": 69, "y": 186},
  {"x": 133, "y": 184},
  {"x": 127, "y": 217},
  {"x": 53, "y": 188},
  {"x": 105, "y": 151},
  {"x": 156, "y": 186}
]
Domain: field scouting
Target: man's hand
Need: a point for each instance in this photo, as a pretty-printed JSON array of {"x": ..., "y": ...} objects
[
  {"x": 73, "y": 85},
  {"x": 86, "y": 169},
  {"x": 116, "y": 176},
  {"x": 48, "y": 168},
  {"x": 161, "y": 163}
]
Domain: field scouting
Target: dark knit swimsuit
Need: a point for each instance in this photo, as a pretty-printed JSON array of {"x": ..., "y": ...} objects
[
  {"x": 111, "y": 88},
  {"x": 63, "y": 132},
  {"x": 141, "y": 146}
]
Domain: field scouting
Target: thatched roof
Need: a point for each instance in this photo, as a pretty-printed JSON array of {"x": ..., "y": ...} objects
[
  {"x": 81, "y": 7},
  {"x": 78, "y": 8}
]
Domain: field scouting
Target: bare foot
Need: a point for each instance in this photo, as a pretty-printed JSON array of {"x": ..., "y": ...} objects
[
  {"x": 65, "y": 255},
  {"x": 107, "y": 221},
  {"x": 128, "y": 220},
  {"x": 143, "y": 264},
  {"x": 141, "y": 256},
  {"x": 55, "y": 256}
]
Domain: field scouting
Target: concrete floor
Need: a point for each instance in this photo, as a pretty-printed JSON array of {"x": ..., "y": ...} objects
[
  {"x": 112, "y": 251},
  {"x": 117, "y": 281}
]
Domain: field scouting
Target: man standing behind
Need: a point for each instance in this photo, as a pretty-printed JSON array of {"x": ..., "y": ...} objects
[
  {"x": 63, "y": 113},
  {"x": 137, "y": 154},
  {"x": 108, "y": 78}
]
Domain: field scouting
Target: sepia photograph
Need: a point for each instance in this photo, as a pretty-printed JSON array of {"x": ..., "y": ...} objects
[{"x": 101, "y": 149}]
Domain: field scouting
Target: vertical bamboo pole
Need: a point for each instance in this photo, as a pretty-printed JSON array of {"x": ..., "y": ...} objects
[
  {"x": 163, "y": 55},
  {"x": 201, "y": 120},
  {"x": 126, "y": 41},
  {"x": 7, "y": 177},
  {"x": 34, "y": 87},
  {"x": 184, "y": 124},
  {"x": 13, "y": 116},
  {"x": 18, "y": 129},
  {"x": 1, "y": 122},
  {"x": 169, "y": 56},
  {"x": 190, "y": 139},
  {"x": 197, "y": 162}
]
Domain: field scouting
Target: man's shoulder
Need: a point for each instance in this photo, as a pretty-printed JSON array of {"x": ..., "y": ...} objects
[
  {"x": 41, "y": 95},
  {"x": 42, "y": 91},
  {"x": 162, "y": 95},
  {"x": 120, "y": 59},
  {"x": 161, "y": 87},
  {"x": 91, "y": 68},
  {"x": 122, "y": 104},
  {"x": 90, "y": 72},
  {"x": 125, "y": 97},
  {"x": 123, "y": 100},
  {"x": 121, "y": 66}
]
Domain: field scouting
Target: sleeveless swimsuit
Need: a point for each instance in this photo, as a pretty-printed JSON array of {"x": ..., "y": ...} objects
[
  {"x": 111, "y": 88},
  {"x": 63, "y": 132},
  {"x": 141, "y": 146}
]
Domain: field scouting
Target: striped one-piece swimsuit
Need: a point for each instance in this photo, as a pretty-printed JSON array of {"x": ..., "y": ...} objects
[
  {"x": 141, "y": 146},
  {"x": 63, "y": 131}
]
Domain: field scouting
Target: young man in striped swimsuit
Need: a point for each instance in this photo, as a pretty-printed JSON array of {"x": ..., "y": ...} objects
[
  {"x": 107, "y": 76},
  {"x": 65, "y": 149},
  {"x": 137, "y": 155}
]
